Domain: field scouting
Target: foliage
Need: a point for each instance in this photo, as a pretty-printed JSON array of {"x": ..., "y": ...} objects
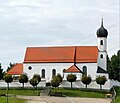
[
  {"x": 48, "y": 84},
  {"x": 86, "y": 80},
  {"x": 1, "y": 72},
  {"x": 10, "y": 66},
  {"x": 101, "y": 80},
  {"x": 117, "y": 89},
  {"x": 8, "y": 79},
  {"x": 113, "y": 66},
  {"x": 60, "y": 77},
  {"x": 55, "y": 82},
  {"x": 23, "y": 79},
  {"x": 34, "y": 82},
  {"x": 37, "y": 76},
  {"x": 71, "y": 78}
]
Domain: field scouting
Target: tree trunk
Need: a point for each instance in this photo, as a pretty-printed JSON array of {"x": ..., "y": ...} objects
[
  {"x": 8, "y": 86},
  {"x": 71, "y": 84},
  {"x": 23, "y": 85},
  {"x": 36, "y": 87},
  {"x": 33, "y": 89},
  {"x": 86, "y": 86},
  {"x": 100, "y": 87}
]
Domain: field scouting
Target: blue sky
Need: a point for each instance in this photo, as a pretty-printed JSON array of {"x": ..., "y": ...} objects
[{"x": 26, "y": 23}]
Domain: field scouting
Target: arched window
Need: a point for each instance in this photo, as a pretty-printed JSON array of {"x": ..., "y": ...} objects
[
  {"x": 101, "y": 42},
  {"x": 84, "y": 70},
  {"x": 101, "y": 56},
  {"x": 43, "y": 73},
  {"x": 64, "y": 70},
  {"x": 53, "y": 72},
  {"x": 30, "y": 68}
]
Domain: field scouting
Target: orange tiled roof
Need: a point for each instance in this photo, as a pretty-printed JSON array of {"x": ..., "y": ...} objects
[
  {"x": 16, "y": 70},
  {"x": 61, "y": 54},
  {"x": 87, "y": 54},
  {"x": 73, "y": 69}
]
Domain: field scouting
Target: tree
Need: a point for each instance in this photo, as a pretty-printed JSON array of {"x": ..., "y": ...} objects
[
  {"x": 8, "y": 79},
  {"x": 71, "y": 78},
  {"x": 101, "y": 81},
  {"x": 33, "y": 82},
  {"x": 113, "y": 66},
  {"x": 10, "y": 66},
  {"x": 1, "y": 72},
  {"x": 37, "y": 76},
  {"x": 23, "y": 79},
  {"x": 60, "y": 77},
  {"x": 86, "y": 80},
  {"x": 55, "y": 82}
]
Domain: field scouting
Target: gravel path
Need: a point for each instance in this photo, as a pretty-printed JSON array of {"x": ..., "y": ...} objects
[{"x": 47, "y": 99}]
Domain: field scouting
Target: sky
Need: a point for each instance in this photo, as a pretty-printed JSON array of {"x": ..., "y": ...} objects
[{"x": 36, "y": 23}]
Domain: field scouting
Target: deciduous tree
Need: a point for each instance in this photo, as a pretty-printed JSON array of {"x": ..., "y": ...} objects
[
  {"x": 86, "y": 80},
  {"x": 8, "y": 79},
  {"x": 33, "y": 82},
  {"x": 101, "y": 81},
  {"x": 23, "y": 79},
  {"x": 71, "y": 78}
]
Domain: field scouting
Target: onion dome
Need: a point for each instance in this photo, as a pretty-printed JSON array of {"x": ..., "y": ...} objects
[{"x": 102, "y": 32}]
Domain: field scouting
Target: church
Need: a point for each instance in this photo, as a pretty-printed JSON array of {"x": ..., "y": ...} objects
[{"x": 78, "y": 60}]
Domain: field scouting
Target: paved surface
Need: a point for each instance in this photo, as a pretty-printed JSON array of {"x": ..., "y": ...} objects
[{"x": 47, "y": 99}]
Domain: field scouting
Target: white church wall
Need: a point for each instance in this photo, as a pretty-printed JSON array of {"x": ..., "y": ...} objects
[
  {"x": 37, "y": 67},
  {"x": 104, "y": 46},
  {"x": 102, "y": 61},
  {"x": 91, "y": 68}
]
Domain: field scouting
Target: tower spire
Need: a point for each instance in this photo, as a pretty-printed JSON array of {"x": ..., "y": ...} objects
[{"x": 102, "y": 22}]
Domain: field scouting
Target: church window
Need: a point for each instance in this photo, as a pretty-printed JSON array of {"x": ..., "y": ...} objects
[
  {"x": 43, "y": 73},
  {"x": 30, "y": 68},
  {"x": 84, "y": 70},
  {"x": 101, "y": 42},
  {"x": 101, "y": 56},
  {"x": 53, "y": 72},
  {"x": 64, "y": 70}
]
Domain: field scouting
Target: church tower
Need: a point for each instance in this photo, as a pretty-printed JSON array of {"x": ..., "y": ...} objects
[{"x": 102, "y": 49}]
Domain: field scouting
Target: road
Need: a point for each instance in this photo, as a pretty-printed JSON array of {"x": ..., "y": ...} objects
[{"x": 48, "y": 99}]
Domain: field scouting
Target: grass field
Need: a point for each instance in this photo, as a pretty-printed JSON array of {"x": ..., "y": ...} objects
[
  {"x": 16, "y": 91},
  {"x": 67, "y": 92},
  {"x": 81, "y": 93},
  {"x": 11, "y": 100},
  {"x": 27, "y": 92}
]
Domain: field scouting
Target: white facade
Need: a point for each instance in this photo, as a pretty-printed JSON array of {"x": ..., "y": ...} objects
[
  {"x": 48, "y": 67},
  {"x": 59, "y": 67}
]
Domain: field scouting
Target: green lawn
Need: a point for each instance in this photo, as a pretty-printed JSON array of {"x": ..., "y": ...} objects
[
  {"x": 28, "y": 92},
  {"x": 81, "y": 93},
  {"x": 11, "y": 100},
  {"x": 67, "y": 92}
]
